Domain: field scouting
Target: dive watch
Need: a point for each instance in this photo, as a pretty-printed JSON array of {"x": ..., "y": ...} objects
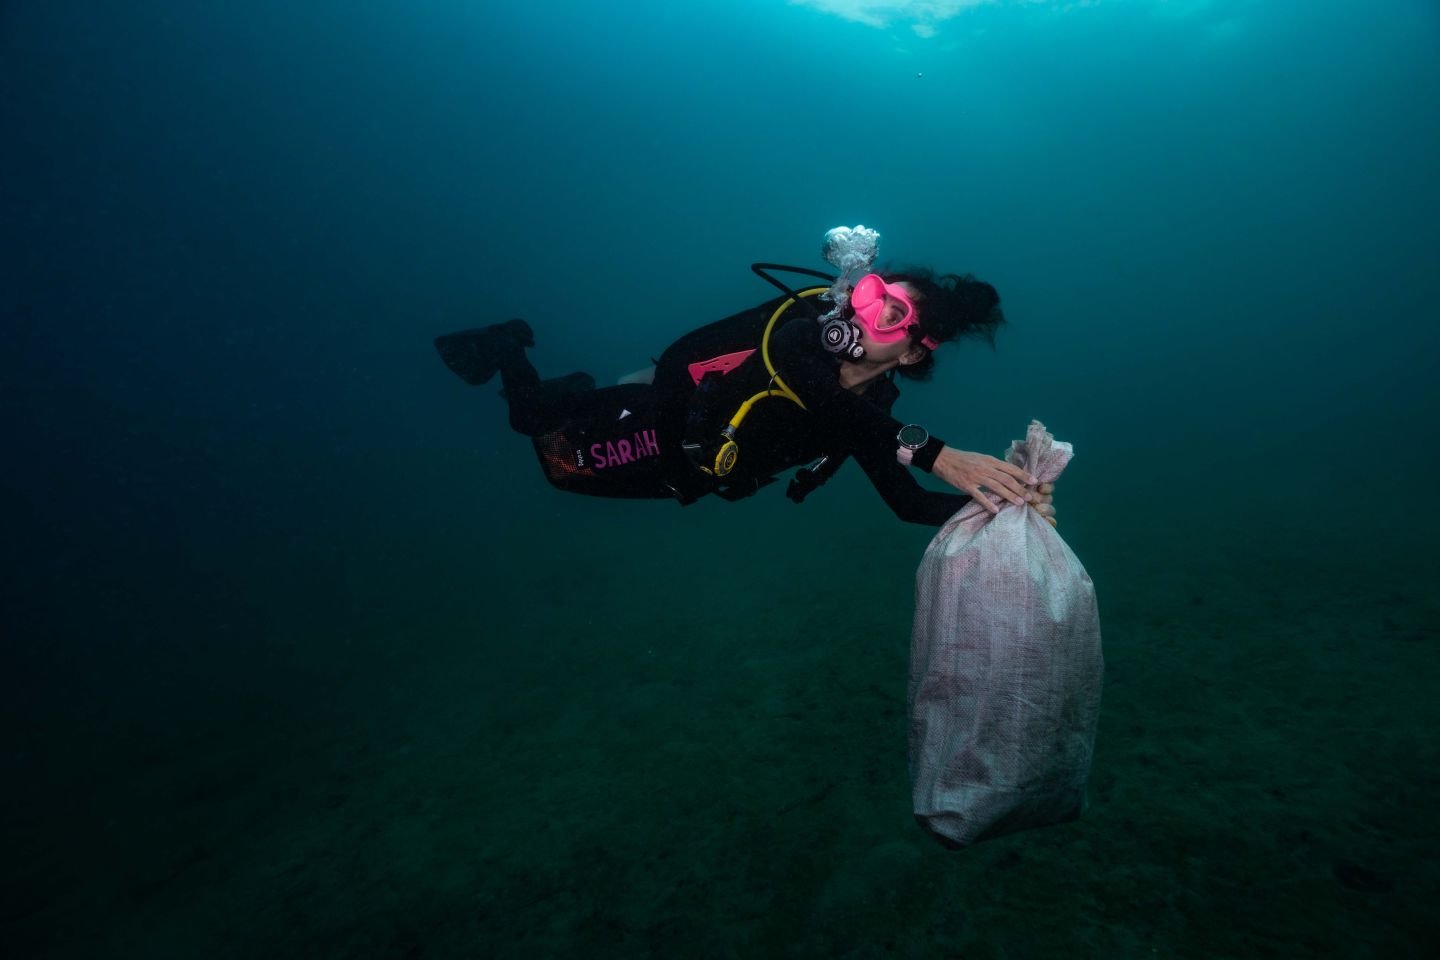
[{"x": 911, "y": 437}]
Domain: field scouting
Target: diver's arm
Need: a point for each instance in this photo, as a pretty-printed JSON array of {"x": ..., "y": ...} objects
[
  {"x": 847, "y": 421},
  {"x": 898, "y": 488}
]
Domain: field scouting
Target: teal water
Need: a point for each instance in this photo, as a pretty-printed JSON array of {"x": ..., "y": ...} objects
[{"x": 302, "y": 658}]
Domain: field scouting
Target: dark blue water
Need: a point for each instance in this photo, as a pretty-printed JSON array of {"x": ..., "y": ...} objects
[{"x": 261, "y": 543}]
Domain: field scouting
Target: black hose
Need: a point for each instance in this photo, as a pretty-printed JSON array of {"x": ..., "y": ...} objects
[{"x": 761, "y": 268}]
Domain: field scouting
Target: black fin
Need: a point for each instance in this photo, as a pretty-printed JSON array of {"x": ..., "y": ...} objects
[{"x": 475, "y": 355}]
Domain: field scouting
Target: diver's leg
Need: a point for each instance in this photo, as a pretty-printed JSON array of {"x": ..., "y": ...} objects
[
  {"x": 539, "y": 406},
  {"x": 536, "y": 406}
]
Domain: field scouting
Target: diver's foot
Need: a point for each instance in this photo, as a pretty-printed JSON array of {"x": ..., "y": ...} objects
[
  {"x": 518, "y": 330},
  {"x": 475, "y": 355}
]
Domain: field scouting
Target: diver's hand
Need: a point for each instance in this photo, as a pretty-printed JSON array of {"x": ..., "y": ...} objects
[
  {"x": 1044, "y": 502},
  {"x": 972, "y": 472}
]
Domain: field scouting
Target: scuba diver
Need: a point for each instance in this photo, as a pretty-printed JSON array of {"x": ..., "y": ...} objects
[{"x": 782, "y": 385}]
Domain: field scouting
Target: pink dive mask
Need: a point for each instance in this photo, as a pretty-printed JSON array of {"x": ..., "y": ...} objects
[{"x": 868, "y": 299}]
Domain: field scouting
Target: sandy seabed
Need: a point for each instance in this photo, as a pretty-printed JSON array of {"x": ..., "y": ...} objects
[{"x": 681, "y": 752}]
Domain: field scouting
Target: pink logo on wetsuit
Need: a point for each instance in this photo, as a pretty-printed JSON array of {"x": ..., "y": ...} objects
[{"x": 615, "y": 453}]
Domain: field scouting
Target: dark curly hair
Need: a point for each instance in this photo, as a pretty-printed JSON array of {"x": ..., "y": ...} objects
[{"x": 951, "y": 307}]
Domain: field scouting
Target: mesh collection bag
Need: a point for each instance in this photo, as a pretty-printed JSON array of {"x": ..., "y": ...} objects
[{"x": 1005, "y": 668}]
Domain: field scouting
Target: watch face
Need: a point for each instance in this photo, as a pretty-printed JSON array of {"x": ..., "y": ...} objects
[{"x": 913, "y": 436}]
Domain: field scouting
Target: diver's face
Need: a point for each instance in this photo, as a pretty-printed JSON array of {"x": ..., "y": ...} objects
[
  {"x": 891, "y": 316},
  {"x": 886, "y": 309}
]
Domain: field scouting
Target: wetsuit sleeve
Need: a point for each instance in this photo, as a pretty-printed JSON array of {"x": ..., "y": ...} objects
[
  {"x": 898, "y": 488},
  {"x": 847, "y": 422}
]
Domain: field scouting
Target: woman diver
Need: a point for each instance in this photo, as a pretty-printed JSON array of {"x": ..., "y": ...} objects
[{"x": 779, "y": 386}]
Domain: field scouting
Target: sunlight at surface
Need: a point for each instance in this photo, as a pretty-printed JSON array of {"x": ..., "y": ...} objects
[{"x": 922, "y": 16}]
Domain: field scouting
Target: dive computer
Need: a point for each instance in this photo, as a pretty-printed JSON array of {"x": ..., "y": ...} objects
[{"x": 911, "y": 437}]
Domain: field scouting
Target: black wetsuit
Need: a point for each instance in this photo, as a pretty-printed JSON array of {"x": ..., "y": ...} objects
[{"x": 776, "y": 436}]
